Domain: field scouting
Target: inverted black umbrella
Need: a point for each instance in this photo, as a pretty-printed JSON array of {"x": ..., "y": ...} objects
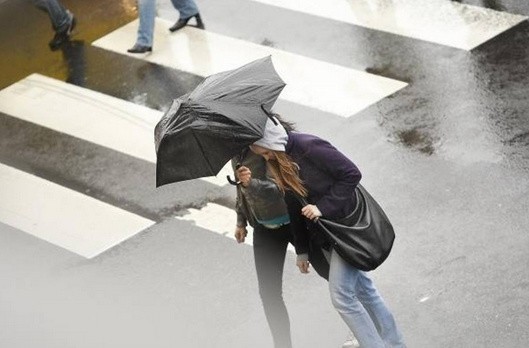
[{"x": 203, "y": 130}]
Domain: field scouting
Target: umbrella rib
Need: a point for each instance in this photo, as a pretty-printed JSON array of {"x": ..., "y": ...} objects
[{"x": 203, "y": 152}]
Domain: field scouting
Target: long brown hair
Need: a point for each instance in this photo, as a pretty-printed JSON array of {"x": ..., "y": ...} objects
[{"x": 286, "y": 173}]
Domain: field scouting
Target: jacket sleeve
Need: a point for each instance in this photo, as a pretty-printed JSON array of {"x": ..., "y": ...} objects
[
  {"x": 298, "y": 226},
  {"x": 342, "y": 170},
  {"x": 241, "y": 218}
]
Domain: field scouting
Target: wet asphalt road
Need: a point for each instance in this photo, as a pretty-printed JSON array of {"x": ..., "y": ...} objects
[{"x": 448, "y": 158}]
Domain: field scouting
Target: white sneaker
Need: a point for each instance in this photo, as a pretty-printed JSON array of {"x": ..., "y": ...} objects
[{"x": 351, "y": 342}]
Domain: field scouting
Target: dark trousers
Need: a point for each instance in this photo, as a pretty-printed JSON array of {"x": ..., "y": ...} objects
[
  {"x": 59, "y": 17},
  {"x": 270, "y": 247}
]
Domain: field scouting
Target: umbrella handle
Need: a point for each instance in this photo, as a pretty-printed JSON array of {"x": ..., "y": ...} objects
[{"x": 233, "y": 182}]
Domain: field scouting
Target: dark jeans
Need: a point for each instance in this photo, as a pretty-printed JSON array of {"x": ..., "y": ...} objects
[
  {"x": 59, "y": 17},
  {"x": 270, "y": 247}
]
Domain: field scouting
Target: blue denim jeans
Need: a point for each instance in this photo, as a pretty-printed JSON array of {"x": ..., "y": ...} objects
[
  {"x": 59, "y": 16},
  {"x": 147, "y": 14},
  {"x": 358, "y": 302}
]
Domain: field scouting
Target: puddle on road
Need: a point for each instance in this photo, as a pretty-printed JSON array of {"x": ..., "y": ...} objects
[{"x": 416, "y": 139}]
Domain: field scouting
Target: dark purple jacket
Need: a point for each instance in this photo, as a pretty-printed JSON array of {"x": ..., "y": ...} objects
[
  {"x": 330, "y": 179},
  {"x": 329, "y": 176}
]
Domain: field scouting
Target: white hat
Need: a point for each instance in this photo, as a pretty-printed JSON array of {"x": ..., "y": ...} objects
[{"x": 274, "y": 137}]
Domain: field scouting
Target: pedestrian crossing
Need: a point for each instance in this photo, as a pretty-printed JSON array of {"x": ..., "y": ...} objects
[
  {"x": 310, "y": 82},
  {"x": 88, "y": 227},
  {"x": 442, "y": 22},
  {"x": 87, "y": 115},
  {"x": 66, "y": 218},
  {"x": 82, "y": 113}
]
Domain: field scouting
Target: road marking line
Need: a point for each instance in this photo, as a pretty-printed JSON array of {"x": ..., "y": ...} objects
[
  {"x": 92, "y": 116},
  {"x": 443, "y": 22},
  {"x": 218, "y": 219},
  {"x": 310, "y": 82},
  {"x": 67, "y": 218}
]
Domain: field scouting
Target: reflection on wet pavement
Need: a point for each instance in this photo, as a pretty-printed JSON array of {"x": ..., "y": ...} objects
[
  {"x": 456, "y": 100},
  {"x": 464, "y": 106}
]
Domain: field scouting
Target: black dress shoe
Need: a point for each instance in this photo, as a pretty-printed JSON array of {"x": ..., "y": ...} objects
[
  {"x": 140, "y": 49},
  {"x": 63, "y": 35},
  {"x": 182, "y": 22}
]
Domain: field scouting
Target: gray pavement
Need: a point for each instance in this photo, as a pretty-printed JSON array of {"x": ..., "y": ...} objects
[{"x": 448, "y": 158}]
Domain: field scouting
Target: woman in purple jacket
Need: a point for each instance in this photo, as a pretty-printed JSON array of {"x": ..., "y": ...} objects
[{"x": 311, "y": 167}]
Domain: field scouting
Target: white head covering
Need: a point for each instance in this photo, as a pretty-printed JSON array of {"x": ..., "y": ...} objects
[{"x": 274, "y": 137}]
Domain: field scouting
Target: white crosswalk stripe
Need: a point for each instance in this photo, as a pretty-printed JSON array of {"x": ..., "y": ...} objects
[
  {"x": 71, "y": 220},
  {"x": 82, "y": 113},
  {"x": 439, "y": 21},
  {"x": 310, "y": 82}
]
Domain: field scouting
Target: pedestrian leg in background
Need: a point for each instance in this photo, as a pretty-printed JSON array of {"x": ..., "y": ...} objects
[
  {"x": 62, "y": 21},
  {"x": 270, "y": 247},
  {"x": 147, "y": 15},
  {"x": 361, "y": 307},
  {"x": 188, "y": 9}
]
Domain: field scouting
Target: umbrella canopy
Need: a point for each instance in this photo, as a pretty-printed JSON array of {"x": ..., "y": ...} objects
[{"x": 204, "y": 129}]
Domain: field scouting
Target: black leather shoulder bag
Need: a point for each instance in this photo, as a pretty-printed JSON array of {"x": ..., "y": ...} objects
[{"x": 365, "y": 237}]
